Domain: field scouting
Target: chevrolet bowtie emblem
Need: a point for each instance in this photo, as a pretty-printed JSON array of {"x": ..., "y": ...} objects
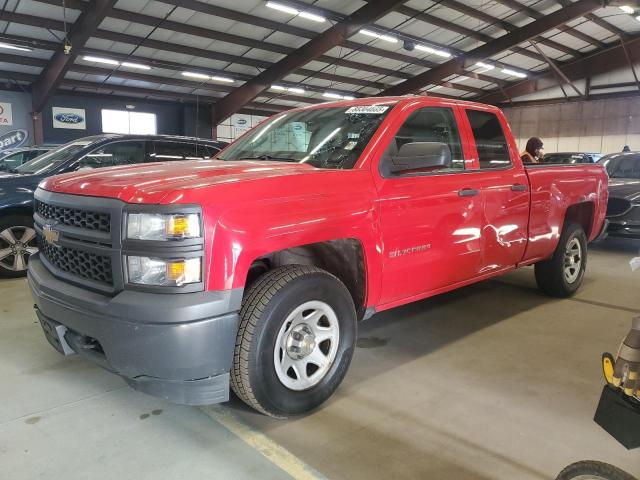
[{"x": 50, "y": 235}]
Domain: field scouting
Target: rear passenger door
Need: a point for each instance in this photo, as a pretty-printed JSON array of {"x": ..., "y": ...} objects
[
  {"x": 505, "y": 191},
  {"x": 430, "y": 220}
]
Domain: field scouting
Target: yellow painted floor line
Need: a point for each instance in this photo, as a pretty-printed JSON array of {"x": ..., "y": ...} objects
[{"x": 269, "y": 449}]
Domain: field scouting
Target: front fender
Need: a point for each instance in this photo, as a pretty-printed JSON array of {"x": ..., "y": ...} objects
[{"x": 255, "y": 229}]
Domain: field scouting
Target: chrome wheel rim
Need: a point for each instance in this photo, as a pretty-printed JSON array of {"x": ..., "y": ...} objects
[
  {"x": 306, "y": 345},
  {"x": 572, "y": 260},
  {"x": 17, "y": 244}
]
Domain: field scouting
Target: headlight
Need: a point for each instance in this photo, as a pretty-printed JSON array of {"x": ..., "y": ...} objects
[
  {"x": 156, "y": 226},
  {"x": 164, "y": 272}
]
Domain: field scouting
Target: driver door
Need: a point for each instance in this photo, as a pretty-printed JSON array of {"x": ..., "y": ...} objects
[{"x": 431, "y": 221}]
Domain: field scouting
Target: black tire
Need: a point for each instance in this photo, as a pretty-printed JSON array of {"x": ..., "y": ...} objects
[
  {"x": 595, "y": 470},
  {"x": 18, "y": 225},
  {"x": 550, "y": 274},
  {"x": 266, "y": 306}
]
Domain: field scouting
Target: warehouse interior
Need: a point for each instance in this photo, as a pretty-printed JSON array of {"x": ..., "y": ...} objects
[{"x": 493, "y": 380}]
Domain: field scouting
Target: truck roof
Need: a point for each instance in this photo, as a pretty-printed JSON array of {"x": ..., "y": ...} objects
[{"x": 393, "y": 100}]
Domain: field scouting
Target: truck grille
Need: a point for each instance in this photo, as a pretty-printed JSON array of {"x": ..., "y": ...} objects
[
  {"x": 77, "y": 262},
  {"x": 75, "y": 217}
]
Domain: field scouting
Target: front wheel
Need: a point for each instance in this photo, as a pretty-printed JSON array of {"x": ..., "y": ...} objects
[
  {"x": 592, "y": 470},
  {"x": 562, "y": 274},
  {"x": 17, "y": 244},
  {"x": 295, "y": 342}
]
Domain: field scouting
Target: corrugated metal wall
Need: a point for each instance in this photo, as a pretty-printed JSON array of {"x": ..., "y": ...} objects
[{"x": 591, "y": 126}]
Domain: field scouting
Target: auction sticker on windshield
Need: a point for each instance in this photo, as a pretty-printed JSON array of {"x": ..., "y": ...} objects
[{"x": 371, "y": 109}]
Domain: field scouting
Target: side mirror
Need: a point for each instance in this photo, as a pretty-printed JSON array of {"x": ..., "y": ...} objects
[{"x": 419, "y": 156}]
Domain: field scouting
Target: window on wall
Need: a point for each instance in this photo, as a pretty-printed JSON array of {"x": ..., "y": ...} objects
[{"x": 123, "y": 121}]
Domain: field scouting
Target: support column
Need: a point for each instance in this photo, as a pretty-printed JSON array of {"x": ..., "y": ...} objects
[{"x": 38, "y": 131}]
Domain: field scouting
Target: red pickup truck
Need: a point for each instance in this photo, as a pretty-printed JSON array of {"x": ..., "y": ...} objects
[{"x": 252, "y": 269}]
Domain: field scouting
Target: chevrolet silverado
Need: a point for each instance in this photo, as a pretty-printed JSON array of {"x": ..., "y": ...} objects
[{"x": 250, "y": 271}]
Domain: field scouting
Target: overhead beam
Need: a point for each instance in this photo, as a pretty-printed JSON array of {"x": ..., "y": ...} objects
[
  {"x": 453, "y": 27},
  {"x": 600, "y": 62},
  {"x": 508, "y": 27},
  {"x": 328, "y": 39},
  {"x": 562, "y": 100},
  {"x": 558, "y": 72},
  {"x": 483, "y": 52},
  {"x": 34, "y": 21},
  {"x": 50, "y": 78},
  {"x": 532, "y": 13}
]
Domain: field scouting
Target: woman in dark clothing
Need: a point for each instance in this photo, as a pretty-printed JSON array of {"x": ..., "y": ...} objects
[{"x": 534, "y": 152}]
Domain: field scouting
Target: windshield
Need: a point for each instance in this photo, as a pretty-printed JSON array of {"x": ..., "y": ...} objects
[
  {"x": 49, "y": 161},
  {"x": 622, "y": 166},
  {"x": 331, "y": 137}
]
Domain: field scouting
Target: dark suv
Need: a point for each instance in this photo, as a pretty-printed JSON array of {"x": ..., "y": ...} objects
[{"x": 17, "y": 236}]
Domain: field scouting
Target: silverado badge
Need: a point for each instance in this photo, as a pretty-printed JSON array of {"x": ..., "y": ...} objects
[{"x": 50, "y": 235}]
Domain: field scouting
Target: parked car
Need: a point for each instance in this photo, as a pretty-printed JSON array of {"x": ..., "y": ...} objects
[
  {"x": 570, "y": 158},
  {"x": 18, "y": 156},
  {"x": 623, "y": 210},
  {"x": 17, "y": 236},
  {"x": 252, "y": 270}
]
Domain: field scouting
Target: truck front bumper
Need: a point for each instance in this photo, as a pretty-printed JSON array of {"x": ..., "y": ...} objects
[{"x": 175, "y": 346}]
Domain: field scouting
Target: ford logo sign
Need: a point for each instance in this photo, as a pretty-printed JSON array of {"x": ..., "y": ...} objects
[
  {"x": 297, "y": 128},
  {"x": 242, "y": 121},
  {"x": 13, "y": 139},
  {"x": 68, "y": 118}
]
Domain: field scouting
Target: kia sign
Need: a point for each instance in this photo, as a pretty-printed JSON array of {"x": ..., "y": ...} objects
[
  {"x": 73, "y": 118},
  {"x": 13, "y": 139},
  {"x": 6, "y": 118}
]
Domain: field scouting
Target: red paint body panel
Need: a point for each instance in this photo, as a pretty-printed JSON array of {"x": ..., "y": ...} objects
[{"x": 418, "y": 235}]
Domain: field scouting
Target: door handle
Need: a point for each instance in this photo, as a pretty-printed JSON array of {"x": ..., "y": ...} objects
[
  {"x": 518, "y": 187},
  {"x": 468, "y": 192}
]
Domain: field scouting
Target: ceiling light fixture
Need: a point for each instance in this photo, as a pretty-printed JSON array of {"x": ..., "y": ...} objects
[
  {"x": 433, "y": 51},
  {"x": 513, "y": 73},
  {"x": 200, "y": 76},
  {"x": 108, "y": 61},
  {"x": 280, "y": 88},
  {"x": 386, "y": 38},
  {"x": 135, "y": 65},
  {"x": 295, "y": 11},
  {"x": 486, "y": 66},
  {"x": 15, "y": 47},
  {"x": 216, "y": 78},
  {"x": 627, "y": 9}
]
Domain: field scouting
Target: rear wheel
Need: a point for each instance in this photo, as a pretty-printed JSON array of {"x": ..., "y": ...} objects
[
  {"x": 17, "y": 244},
  {"x": 295, "y": 342},
  {"x": 562, "y": 274}
]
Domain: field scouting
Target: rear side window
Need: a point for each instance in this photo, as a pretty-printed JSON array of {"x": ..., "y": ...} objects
[
  {"x": 432, "y": 124},
  {"x": 114, "y": 154},
  {"x": 167, "y": 151},
  {"x": 491, "y": 143}
]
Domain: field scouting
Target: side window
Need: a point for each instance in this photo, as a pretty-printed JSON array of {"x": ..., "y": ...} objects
[
  {"x": 167, "y": 151},
  {"x": 113, "y": 154},
  {"x": 431, "y": 124},
  {"x": 492, "y": 146}
]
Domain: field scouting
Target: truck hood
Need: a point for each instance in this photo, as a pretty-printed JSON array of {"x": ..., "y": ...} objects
[
  {"x": 151, "y": 183},
  {"x": 628, "y": 188}
]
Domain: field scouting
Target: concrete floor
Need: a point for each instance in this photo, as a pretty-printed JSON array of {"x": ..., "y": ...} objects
[{"x": 494, "y": 381}]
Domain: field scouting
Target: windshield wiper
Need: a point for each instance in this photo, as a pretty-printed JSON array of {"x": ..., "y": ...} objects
[{"x": 269, "y": 157}]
